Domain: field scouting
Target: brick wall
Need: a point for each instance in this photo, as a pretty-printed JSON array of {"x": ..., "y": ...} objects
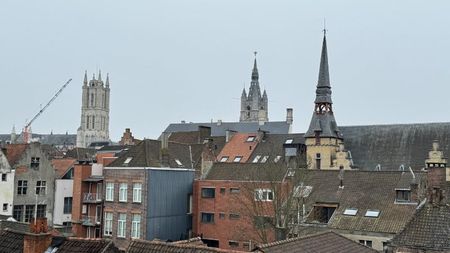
[{"x": 81, "y": 171}]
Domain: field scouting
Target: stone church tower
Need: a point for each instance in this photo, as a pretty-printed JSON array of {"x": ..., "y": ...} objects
[
  {"x": 94, "y": 111},
  {"x": 324, "y": 142},
  {"x": 254, "y": 106}
]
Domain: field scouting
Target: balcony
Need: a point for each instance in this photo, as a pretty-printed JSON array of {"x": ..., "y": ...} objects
[
  {"x": 92, "y": 198},
  {"x": 90, "y": 221}
]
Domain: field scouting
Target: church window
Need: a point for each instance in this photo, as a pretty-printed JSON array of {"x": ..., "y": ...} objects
[
  {"x": 93, "y": 122},
  {"x": 87, "y": 122},
  {"x": 248, "y": 108},
  {"x": 92, "y": 99}
]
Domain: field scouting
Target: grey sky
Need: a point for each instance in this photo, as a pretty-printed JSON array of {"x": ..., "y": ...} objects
[{"x": 188, "y": 60}]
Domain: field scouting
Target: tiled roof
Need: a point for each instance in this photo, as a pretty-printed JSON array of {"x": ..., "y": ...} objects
[
  {"x": 393, "y": 145},
  {"x": 317, "y": 243},
  {"x": 80, "y": 245},
  {"x": 219, "y": 129},
  {"x": 363, "y": 190},
  {"x": 273, "y": 145},
  {"x": 62, "y": 165},
  {"x": 141, "y": 246},
  {"x": 239, "y": 146},
  {"x": 14, "y": 152},
  {"x": 247, "y": 172},
  {"x": 11, "y": 241},
  {"x": 429, "y": 229}
]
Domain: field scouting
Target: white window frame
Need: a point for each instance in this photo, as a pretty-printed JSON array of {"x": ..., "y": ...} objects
[
  {"x": 137, "y": 192},
  {"x": 136, "y": 226},
  {"x": 122, "y": 225},
  {"x": 264, "y": 195},
  {"x": 350, "y": 211},
  {"x": 237, "y": 159},
  {"x": 256, "y": 159},
  {"x": 251, "y": 138},
  {"x": 108, "y": 224},
  {"x": 277, "y": 159},
  {"x": 109, "y": 196},
  {"x": 123, "y": 192},
  {"x": 288, "y": 141},
  {"x": 264, "y": 159},
  {"x": 224, "y": 159}
]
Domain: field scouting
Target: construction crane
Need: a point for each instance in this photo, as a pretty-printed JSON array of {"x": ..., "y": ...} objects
[{"x": 26, "y": 129}]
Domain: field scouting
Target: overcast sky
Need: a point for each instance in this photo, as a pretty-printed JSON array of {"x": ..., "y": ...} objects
[{"x": 189, "y": 60}]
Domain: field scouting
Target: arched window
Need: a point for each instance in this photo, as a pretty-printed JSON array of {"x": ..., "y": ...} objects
[
  {"x": 92, "y": 99},
  {"x": 93, "y": 122}
]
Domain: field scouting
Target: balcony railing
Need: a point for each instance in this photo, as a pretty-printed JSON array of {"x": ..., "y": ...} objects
[
  {"x": 92, "y": 198},
  {"x": 90, "y": 220}
]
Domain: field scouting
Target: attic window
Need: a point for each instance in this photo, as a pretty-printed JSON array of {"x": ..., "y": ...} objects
[
  {"x": 35, "y": 162},
  {"x": 224, "y": 159},
  {"x": 264, "y": 159},
  {"x": 251, "y": 138},
  {"x": 237, "y": 159},
  {"x": 350, "y": 211},
  {"x": 277, "y": 159},
  {"x": 128, "y": 160},
  {"x": 402, "y": 195},
  {"x": 372, "y": 213},
  {"x": 289, "y": 141},
  {"x": 256, "y": 159},
  {"x": 178, "y": 162}
]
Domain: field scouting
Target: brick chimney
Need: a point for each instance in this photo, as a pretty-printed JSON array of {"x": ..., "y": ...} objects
[
  {"x": 436, "y": 165},
  {"x": 38, "y": 240}
]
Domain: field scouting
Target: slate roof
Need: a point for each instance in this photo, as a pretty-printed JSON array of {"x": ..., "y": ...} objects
[
  {"x": 219, "y": 129},
  {"x": 273, "y": 145},
  {"x": 81, "y": 153},
  {"x": 81, "y": 245},
  {"x": 141, "y": 246},
  {"x": 316, "y": 243},
  {"x": 247, "y": 172},
  {"x": 51, "y": 139},
  {"x": 428, "y": 230},
  {"x": 393, "y": 145},
  {"x": 14, "y": 225},
  {"x": 363, "y": 190},
  {"x": 11, "y": 241}
]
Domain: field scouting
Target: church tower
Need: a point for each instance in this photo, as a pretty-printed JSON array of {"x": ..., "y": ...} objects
[
  {"x": 323, "y": 138},
  {"x": 94, "y": 111},
  {"x": 254, "y": 106}
]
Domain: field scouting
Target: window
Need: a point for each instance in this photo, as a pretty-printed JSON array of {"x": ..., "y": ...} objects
[
  {"x": 34, "y": 162},
  {"x": 234, "y": 216},
  {"x": 366, "y": 243},
  {"x": 137, "y": 192},
  {"x": 372, "y": 213},
  {"x": 264, "y": 159},
  {"x": 136, "y": 226},
  {"x": 290, "y": 151},
  {"x": 67, "y": 205},
  {"x": 350, "y": 211},
  {"x": 178, "y": 163},
  {"x": 127, "y": 161},
  {"x": 3, "y": 177},
  {"x": 123, "y": 190},
  {"x": 67, "y": 224},
  {"x": 237, "y": 159},
  {"x": 108, "y": 223},
  {"x": 93, "y": 122},
  {"x": 233, "y": 244},
  {"x": 41, "y": 210},
  {"x": 122, "y": 225},
  {"x": 403, "y": 196},
  {"x": 235, "y": 190},
  {"x": 251, "y": 138},
  {"x": 277, "y": 158},
  {"x": 29, "y": 213},
  {"x": 256, "y": 159},
  {"x": 208, "y": 192},
  {"x": 40, "y": 187},
  {"x": 5, "y": 206},
  {"x": 318, "y": 161},
  {"x": 317, "y": 135},
  {"x": 207, "y": 218},
  {"x": 222, "y": 216},
  {"x": 189, "y": 207},
  {"x": 222, "y": 190},
  {"x": 288, "y": 141},
  {"x": 224, "y": 159},
  {"x": 323, "y": 212},
  {"x": 22, "y": 186},
  {"x": 263, "y": 195},
  {"x": 109, "y": 192},
  {"x": 18, "y": 213},
  {"x": 262, "y": 221}
]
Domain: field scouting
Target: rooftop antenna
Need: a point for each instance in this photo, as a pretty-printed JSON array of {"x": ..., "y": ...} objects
[{"x": 412, "y": 173}]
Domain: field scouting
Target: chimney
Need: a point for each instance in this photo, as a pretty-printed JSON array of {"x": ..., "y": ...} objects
[
  {"x": 341, "y": 177},
  {"x": 38, "y": 240},
  {"x": 219, "y": 122},
  {"x": 229, "y": 134},
  {"x": 164, "y": 152},
  {"x": 289, "y": 116},
  {"x": 204, "y": 133}
]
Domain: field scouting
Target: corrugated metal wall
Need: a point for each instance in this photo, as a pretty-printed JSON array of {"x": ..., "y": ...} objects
[{"x": 168, "y": 203}]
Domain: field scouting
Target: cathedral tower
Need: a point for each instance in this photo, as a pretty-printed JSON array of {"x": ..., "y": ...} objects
[
  {"x": 254, "y": 106},
  {"x": 94, "y": 111},
  {"x": 323, "y": 139}
]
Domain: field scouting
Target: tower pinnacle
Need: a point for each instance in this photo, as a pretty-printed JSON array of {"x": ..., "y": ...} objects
[
  {"x": 255, "y": 75},
  {"x": 107, "y": 79},
  {"x": 85, "y": 82},
  {"x": 100, "y": 75}
]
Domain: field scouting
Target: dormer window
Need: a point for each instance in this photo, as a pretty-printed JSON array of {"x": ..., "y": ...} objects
[
  {"x": 402, "y": 195},
  {"x": 224, "y": 159},
  {"x": 251, "y": 138}
]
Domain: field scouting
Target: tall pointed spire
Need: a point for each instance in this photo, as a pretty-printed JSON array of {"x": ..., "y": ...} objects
[
  {"x": 85, "y": 82},
  {"x": 323, "y": 91},
  {"x": 100, "y": 75},
  {"x": 244, "y": 93},
  {"x": 107, "y": 79},
  {"x": 255, "y": 75}
]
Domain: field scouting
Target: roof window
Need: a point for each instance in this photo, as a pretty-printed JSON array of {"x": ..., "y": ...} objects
[
  {"x": 264, "y": 159},
  {"x": 224, "y": 159},
  {"x": 350, "y": 211},
  {"x": 251, "y": 138},
  {"x": 256, "y": 159},
  {"x": 237, "y": 159},
  {"x": 178, "y": 162},
  {"x": 288, "y": 141},
  {"x": 277, "y": 158},
  {"x": 372, "y": 213},
  {"x": 128, "y": 160}
]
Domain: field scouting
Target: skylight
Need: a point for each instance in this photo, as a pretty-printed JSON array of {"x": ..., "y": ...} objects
[
  {"x": 237, "y": 159},
  {"x": 224, "y": 159},
  {"x": 350, "y": 211},
  {"x": 264, "y": 159},
  {"x": 251, "y": 138},
  {"x": 276, "y": 159},
  {"x": 372, "y": 213},
  {"x": 128, "y": 160},
  {"x": 289, "y": 141},
  {"x": 178, "y": 162},
  {"x": 256, "y": 159}
]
